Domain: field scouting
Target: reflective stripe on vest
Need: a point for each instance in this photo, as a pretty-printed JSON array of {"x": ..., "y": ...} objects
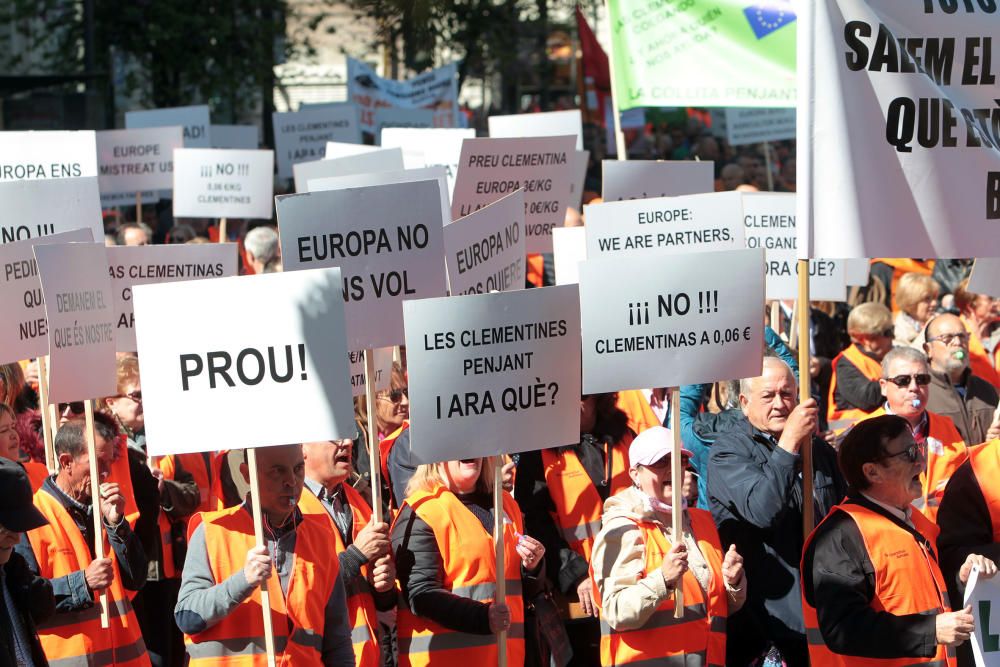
[
  {"x": 696, "y": 639},
  {"x": 76, "y": 638},
  {"x": 302, "y": 610},
  {"x": 907, "y": 581},
  {"x": 577, "y": 502},
  {"x": 985, "y": 462},
  {"x": 361, "y": 612},
  {"x": 867, "y": 366},
  {"x": 946, "y": 451},
  {"x": 468, "y": 570}
]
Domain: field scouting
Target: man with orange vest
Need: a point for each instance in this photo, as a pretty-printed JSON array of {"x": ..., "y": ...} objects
[
  {"x": 219, "y": 606},
  {"x": 905, "y": 385},
  {"x": 362, "y": 545},
  {"x": 63, "y": 552},
  {"x": 872, "y": 589},
  {"x": 854, "y": 386}
]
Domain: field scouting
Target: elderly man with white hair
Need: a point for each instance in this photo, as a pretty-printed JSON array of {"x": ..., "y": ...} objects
[
  {"x": 263, "y": 251},
  {"x": 755, "y": 494}
]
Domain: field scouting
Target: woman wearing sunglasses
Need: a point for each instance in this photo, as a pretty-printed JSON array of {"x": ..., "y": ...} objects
[{"x": 638, "y": 563}]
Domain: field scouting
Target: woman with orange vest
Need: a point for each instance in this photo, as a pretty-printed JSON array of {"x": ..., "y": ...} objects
[
  {"x": 562, "y": 492},
  {"x": 219, "y": 606},
  {"x": 854, "y": 388},
  {"x": 638, "y": 564},
  {"x": 442, "y": 539},
  {"x": 980, "y": 314},
  {"x": 872, "y": 589},
  {"x": 392, "y": 414},
  {"x": 63, "y": 552}
]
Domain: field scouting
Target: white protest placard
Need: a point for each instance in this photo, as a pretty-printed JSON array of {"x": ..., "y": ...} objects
[
  {"x": 769, "y": 223},
  {"x": 578, "y": 178},
  {"x": 569, "y": 248},
  {"x": 899, "y": 129},
  {"x": 81, "y": 321},
  {"x": 194, "y": 120},
  {"x": 429, "y": 148},
  {"x": 29, "y": 209},
  {"x": 648, "y": 179},
  {"x": 383, "y": 370},
  {"x": 654, "y": 323},
  {"x": 984, "y": 597},
  {"x": 23, "y": 328},
  {"x": 300, "y": 136},
  {"x": 217, "y": 183},
  {"x": 387, "y": 240},
  {"x": 436, "y": 90},
  {"x": 34, "y": 155},
  {"x": 336, "y": 149},
  {"x": 386, "y": 117},
  {"x": 695, "y": 223},
  {"x": 129, "y": 266},
  {"x": 493, "y": 373},
  {"x": 390, "y": 159},
  {"x": 750, "y": 125},
  {"x": 544, "y": 124},
  {"x": 238, "y": 137},
  {"x": 206, "y": 352},
  {"x": 384, "y": 178},
  {"x": 857, "y": 271},
  {"x": 541, "y": 166},
  {"x": 484, "y": 251},
  {"x": 131, "y": 161},
  {"x": 985, "y": 276}
]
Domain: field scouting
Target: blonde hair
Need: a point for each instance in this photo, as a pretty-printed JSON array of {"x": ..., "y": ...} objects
[
  {"x": 428, "y": 476},
  {"x": 913, "y": 288},
  {"x": 868, "y": 319},
  {"x": 127, "y": 370}
]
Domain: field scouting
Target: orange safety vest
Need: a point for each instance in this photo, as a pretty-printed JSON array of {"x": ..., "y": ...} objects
[
  {"x": 979, "y": 359},
  {"x": 76, "y": 638},
  {"x": 578, "y": 505},
  {"x": 536, "y": 269},
  {"x": 194, "y": 464},
  {"x": 121, "y": 475},
  {"x": 384, "y": 448},
  {"x": 663, "y": 639},
  {"x": 640, "y": 413},
  {"x": 469, "y": 570},
  {"x": 870, "y": 368},
  {"x": 37, "y": 474},
  {"x": 907, "y": 581},
  {"x": 298, "y": 617},
  {"x": 946, "y": 451},
  {"x": 360, "y": 603},
  {"x": 985, "y": 462}
]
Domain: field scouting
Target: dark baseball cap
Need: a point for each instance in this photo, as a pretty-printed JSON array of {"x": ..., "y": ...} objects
[{"x": 17, "y": 512}]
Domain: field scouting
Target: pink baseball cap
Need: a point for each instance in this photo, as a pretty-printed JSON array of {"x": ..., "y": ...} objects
[{"x": 652, "y": 445}]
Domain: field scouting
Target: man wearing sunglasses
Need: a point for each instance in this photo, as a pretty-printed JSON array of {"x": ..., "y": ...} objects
[
  {"x": 854, "y": 386},
  {"x": 956, "y": 391},
  {"x": 905, "y": 383},
  {"x": 871, "y": 583}
]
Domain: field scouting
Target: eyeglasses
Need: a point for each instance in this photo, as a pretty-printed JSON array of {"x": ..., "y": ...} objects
[
  {"x": 135, "y": 396},
  {"x": 76, "y": 407},
  {"x": 948, "y": 338},
  {"x": 913, "y": 453},
  {"x": 903, "y": 381},
  {"x": 396, "y": 395}
]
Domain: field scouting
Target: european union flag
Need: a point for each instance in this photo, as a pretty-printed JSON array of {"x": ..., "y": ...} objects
[{"x": 766, "y": 17}]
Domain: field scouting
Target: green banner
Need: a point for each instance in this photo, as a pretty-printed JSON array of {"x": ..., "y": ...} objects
[{"x": 703, "y": 53}]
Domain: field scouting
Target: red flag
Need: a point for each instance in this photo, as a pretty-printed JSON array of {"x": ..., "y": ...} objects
[{"x": 596, "y": 76}]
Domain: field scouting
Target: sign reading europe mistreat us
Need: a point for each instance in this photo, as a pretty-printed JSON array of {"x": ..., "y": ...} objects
[{"x": 131, "y": 161}]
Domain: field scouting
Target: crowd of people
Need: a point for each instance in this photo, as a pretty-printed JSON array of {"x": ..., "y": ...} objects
[{"x": 904, "y": 433}]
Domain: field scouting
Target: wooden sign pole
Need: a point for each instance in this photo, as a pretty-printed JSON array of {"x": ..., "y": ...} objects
[
  {"x": 48, "y": 428},
  {"x": 258, "y": 532},
  {"x": 223, "y": 230},
  {"x": 95, "y": 499},
  {"x": 676, "y": 488},
  {"x": 373, "y": 446},
  {"x": 802, "y": 310},
  {"x": 498, "y": 544},
  {"x": 138, "y": 207}
]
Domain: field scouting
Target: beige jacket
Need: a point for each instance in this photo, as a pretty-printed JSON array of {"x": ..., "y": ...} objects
[{"x": 618, "y": 559}]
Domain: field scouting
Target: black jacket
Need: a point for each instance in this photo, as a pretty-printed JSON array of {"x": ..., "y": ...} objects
[
  {"x": 854, "y": 390},
  {"x": 35, "y": 603},
  {"x": 838, "y": 578},
  {"x": 755, "y": 494}
]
